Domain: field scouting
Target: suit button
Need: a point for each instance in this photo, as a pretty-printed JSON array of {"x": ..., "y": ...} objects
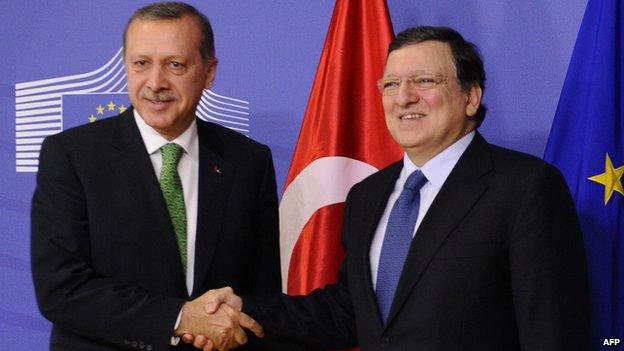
[
  {"x": 134, "y": 343},
  {"x": 141, "y": 345},
  {"x": 149, "y": 347},
  {"x": 384, "y": 342}
]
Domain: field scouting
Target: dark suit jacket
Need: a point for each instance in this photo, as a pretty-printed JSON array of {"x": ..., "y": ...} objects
[
  {"x": 496, "y": 264},
  {"x": 105, "y": 263}
]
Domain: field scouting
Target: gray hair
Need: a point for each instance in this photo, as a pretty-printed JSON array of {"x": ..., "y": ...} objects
[{"x": 175, "y": 10}]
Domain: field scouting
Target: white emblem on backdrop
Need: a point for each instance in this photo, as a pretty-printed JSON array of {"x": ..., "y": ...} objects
[{"x": 39, "y": 107}]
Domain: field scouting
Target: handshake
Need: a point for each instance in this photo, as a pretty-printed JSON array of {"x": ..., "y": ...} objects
[{"x": 214, "y": 321}]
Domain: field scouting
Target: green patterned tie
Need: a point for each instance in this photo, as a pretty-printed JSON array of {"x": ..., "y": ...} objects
[{"x": 171, "y": 187}]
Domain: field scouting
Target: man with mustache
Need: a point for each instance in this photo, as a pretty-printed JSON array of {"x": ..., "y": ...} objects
[
  {"x": 461, "y": 245},
  {"x": 135, "y": 216}
]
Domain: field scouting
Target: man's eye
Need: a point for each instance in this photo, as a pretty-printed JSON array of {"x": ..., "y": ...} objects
[
  {"x": 391, "y": 84},
  {"x": 425, "y": 81},
  {"x": 175, "y": 64},
  {"x": 140, "y": 63}
]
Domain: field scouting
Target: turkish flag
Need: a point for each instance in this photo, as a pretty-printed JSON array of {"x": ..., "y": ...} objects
[{"x": 343, "y": 140}]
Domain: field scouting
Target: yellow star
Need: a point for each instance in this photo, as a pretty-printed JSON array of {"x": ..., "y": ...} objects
[
  {"x": 611, "y": 179},
  {"x": 100, "y": 110},
  {"x": 111, "y": 106},
  {"x": 92, "y": 119},
  {"x": 122, "y": 108}
]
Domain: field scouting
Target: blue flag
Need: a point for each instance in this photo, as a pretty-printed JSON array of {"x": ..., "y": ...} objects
[{"x": 587, "y": 144}]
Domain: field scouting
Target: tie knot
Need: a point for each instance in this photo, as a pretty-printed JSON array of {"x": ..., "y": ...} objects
[
  {"x": 415, "y": 181},
  {"x": 171, "y": 153}
]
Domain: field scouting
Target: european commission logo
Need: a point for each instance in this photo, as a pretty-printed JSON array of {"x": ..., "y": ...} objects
[{"x": 48, "y": 106}]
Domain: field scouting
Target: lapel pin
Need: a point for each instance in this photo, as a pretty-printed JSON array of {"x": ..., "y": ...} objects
[{"x": 216, "y": 169}]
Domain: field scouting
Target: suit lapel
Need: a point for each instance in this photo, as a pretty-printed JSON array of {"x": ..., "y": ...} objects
[
  {"x": 215, "y": 179},
  {"x": 458, "y": 195},
  {"x": 135, "y": 173}
]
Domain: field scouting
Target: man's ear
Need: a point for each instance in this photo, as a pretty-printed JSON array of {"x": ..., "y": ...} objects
[
  {"x": 473, "y": 100},
  {"x": 212, "y": 73}
]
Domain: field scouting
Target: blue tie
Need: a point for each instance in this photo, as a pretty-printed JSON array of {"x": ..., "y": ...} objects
[{"x": 397, "y": 241}]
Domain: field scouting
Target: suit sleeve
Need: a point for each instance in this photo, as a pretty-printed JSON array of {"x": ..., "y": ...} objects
[
  {"x": 267, "y": 277},
  {"x": 548, "y": 267},
  {"x": 70, "y": 293},
  {"x": 322, "y": 320}
]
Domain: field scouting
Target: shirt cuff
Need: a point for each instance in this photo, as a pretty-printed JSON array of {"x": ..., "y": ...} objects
[{"x": 175, "y": 340}]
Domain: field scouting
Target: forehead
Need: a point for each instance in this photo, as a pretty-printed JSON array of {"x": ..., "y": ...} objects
[
  {"x": 425, "y": 57},
  {"x": 163, "y": 35}
]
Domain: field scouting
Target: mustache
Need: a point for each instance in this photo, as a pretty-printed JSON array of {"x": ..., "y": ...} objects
[{"x": 159, "y": 96}]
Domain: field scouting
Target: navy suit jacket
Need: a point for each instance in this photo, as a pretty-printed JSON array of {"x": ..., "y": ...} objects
[
  {"x": 106, "y": 267},
  {"x": 496, "y": 264}
]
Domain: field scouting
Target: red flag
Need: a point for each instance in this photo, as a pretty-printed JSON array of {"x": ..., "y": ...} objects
[{"x": 343, "y": 139}]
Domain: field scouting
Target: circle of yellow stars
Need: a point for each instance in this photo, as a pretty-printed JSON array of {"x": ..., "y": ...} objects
[
  {"x": 111, "y": 107},
  {"x": 611, "y": 179}
]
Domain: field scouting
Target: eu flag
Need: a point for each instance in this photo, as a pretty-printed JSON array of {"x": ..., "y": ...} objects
[
  {"x": 586, "y": 143},
  {"x": 87, "y": 108}
]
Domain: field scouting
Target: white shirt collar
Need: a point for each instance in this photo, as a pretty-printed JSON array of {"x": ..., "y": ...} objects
[
  {"x": 440, "y": 166},
  {"x": 154, "y": 141}
]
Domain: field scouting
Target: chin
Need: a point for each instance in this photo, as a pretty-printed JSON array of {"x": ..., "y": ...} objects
[
  {"x": 155, "y": 121},
  {"x": 409, "y": 140}
]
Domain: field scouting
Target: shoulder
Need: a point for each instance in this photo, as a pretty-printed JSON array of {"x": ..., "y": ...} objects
[
  {"x": 379, "y": 180},
  {"x": 521, "y": 175},
  {"x": 230, "y": 143},
  {"x": 519, "y": 164},
  {"x": 84, "y": 137}
]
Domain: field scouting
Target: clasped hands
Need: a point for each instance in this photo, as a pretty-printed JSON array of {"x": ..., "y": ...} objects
[{"x": 214, "y": 321}]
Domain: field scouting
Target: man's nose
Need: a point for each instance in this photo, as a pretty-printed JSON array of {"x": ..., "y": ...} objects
[
  {"x": 406, "y": 95},
  {"x": 157, "y": 79}
]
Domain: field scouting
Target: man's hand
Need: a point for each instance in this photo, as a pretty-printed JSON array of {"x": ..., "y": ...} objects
[
  {"x": 220, "y": 330},
  {"x": 216, "y": 297}
]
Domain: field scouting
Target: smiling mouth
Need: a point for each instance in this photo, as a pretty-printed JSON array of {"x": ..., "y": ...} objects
[
  {"x": 411, "y": 116},
  {"x": 158, "y": 101},
  {"x": 158, "y": 104}
]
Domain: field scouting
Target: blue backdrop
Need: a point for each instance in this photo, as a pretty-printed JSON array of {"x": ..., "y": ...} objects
[{"x": 268, "y": 53}]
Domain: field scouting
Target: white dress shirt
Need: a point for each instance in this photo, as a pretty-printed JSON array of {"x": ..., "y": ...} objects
[
  {"x": 436, "y": 170},
  {"x": 188, "y": 169}
]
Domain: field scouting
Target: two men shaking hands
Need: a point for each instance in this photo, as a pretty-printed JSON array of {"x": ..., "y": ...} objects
[
  {"x": 460, "y": 245},
  {"x": 214, "y": 321}
]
